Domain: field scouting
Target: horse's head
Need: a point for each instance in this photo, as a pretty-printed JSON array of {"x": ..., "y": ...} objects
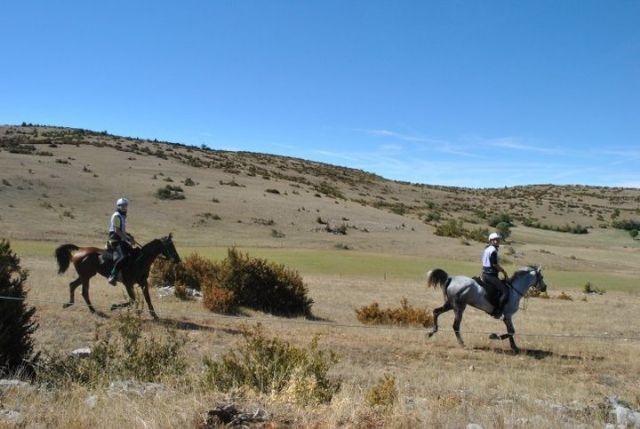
[
  {"x": 540, "y": 284},
  {"x": 528, "y": 277},
  {"x": 169, "y": 249}
]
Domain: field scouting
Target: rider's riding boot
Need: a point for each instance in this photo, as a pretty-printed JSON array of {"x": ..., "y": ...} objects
[
  {"x": 497, "y": 311},
  {"x": 113, "y": 278}
]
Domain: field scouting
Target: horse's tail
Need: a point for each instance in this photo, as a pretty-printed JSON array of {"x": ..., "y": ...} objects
[
  {"x": 437, "y": 278},
  {"x": 63, "y": 256}
]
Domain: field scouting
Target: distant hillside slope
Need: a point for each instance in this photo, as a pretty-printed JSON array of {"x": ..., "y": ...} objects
[{"x": 60, "y": 184}]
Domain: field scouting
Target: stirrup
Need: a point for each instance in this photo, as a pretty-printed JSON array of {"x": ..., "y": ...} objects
[{"x": 113, "y": 279}]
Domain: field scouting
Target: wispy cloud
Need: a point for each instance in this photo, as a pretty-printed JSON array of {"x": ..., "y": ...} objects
[{"x": 516, "y": 143}]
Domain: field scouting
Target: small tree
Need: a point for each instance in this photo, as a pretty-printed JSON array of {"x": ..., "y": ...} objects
[{"x": 16, "y": 320}]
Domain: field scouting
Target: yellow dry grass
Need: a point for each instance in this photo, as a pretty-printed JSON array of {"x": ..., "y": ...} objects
[{"x": 576, "y": 353}]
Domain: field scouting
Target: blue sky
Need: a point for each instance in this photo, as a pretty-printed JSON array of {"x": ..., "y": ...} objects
[{"x": 465, "y": 93}]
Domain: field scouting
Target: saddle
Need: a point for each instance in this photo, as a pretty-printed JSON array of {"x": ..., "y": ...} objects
[{"x": 492, "y": 293}]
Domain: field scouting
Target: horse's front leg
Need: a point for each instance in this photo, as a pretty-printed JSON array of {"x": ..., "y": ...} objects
[
  {"x": 132, "y": 298},
  {"x": 456, "y": 323},
  {"x": 510, "y": 334},
  {"x": 72, "y": 288},
  {"x": 436, "y": 313},
  {"x": 147, "y": 298}
]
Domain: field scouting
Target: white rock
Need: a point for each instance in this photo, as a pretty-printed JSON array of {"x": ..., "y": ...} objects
[
  {"x": 82, "y": 352},
  {"x": 91, "y": 401},
  {"x": 9, "y": 415},
  {"x": 7, "y": 383}
]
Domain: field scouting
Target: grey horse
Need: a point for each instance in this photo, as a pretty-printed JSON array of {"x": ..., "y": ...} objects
[{"x": 460, "y": 291}]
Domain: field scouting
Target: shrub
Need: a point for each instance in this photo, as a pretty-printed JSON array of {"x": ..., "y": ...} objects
[
  {"x": 384, "y": 394},
  {"x": 501, "y": 218},
  {"x": 170, "y": 192},
  {"x": 218, "y": 299},
  {"x": 589, "y": 288},
  {"x": 127, "y": 355},
  {"x": 238, "y": 280},
  {"x": 564, "y": 296},
  {"x": 17, "y": 323},
  {"x": 404, "y": 315},
  {"x": 452, "y": 228},
  {"x": 273, "y": 366},
  {"x": 263, "y": 285}
]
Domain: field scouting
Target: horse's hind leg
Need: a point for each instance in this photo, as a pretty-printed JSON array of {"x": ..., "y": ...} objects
[
  {"x": 85, "y": 295},
  {"x": 456, "y": 324},
  {"x": 436, "y": 313},
  {"x": 72, "y": 288}
]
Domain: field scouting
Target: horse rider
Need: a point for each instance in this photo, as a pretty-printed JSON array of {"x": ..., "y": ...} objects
[
  {"x": 119, "y": 240},
  {"x": 490, "y": 270}
]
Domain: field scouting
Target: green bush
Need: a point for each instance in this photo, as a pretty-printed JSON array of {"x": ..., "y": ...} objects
[
  {"x": 238, "y": 280},
  {"x": 128, "y": 355},
  {"x": 501, "y": 218},
  {"x": 262, "y": 285},
  {"x": 269, "y": 366},
  {"x": 452, "y": 228},
  {"x": 17, "y": 323}
]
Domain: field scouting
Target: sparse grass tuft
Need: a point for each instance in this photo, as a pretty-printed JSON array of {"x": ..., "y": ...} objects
[
  {"x": 128, "y": 355},
  {"x": 384, "y": 394}
]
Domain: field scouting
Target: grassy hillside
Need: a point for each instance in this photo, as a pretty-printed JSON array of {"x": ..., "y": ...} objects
[{"x": 60, "y": 184}]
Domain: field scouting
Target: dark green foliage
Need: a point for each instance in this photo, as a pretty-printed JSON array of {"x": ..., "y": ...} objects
[
  {"x": 238, "y": 280},
  {"x": 451, "y": 228},
  {"x": 16, "y": 319},
  {"x": 263, "y": 285},
  {"x": 455, "y": 229},
  {"x": 573, "y": 229},
  {"x": 501, "y": 218},
  {"x": 270, "y": 366},
  {"x": 627, "y": 225},
  {"x": 504, "y": 229}
]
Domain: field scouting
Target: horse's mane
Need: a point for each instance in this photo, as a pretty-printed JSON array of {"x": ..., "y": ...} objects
[{"x": 523, "y": 271}]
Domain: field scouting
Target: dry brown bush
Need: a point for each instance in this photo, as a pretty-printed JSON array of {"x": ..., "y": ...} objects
[{"x": 404, "y": 315}]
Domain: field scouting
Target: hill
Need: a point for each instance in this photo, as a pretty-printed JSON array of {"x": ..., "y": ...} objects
[{"x": 60, "y": 184}]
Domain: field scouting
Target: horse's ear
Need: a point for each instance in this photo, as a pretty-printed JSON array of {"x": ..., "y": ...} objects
[{"x": 170, "y": 235}]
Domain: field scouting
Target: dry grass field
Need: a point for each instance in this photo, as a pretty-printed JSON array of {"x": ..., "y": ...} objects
[{"x": 59, "y": 186}]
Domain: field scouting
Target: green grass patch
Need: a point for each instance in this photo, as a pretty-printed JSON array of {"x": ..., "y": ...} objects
[{"x": 334, "y": 262}]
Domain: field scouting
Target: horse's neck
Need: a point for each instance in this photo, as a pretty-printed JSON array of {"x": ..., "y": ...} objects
[
  {"x": 521, "y": 285},
  {"x": 150, "y": 251}
]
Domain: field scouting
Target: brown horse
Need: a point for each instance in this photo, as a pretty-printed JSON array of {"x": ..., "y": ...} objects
[{"x": 89, "y": 261}]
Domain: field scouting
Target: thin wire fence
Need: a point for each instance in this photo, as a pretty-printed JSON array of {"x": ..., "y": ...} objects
[{"x": 201, "y": 315}]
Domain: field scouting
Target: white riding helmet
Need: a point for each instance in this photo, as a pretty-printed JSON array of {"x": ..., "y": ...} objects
[
  {"x": 122, "y": 202},
  {"x": 494, "y": 236}
]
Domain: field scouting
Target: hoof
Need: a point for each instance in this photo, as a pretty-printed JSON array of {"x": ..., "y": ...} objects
[
  {"x": 516, "y": 351},
  {"x": 430, "y": 334},
  {"x": 494, "y": 337},
  {"x": 67, "y": 304}
]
